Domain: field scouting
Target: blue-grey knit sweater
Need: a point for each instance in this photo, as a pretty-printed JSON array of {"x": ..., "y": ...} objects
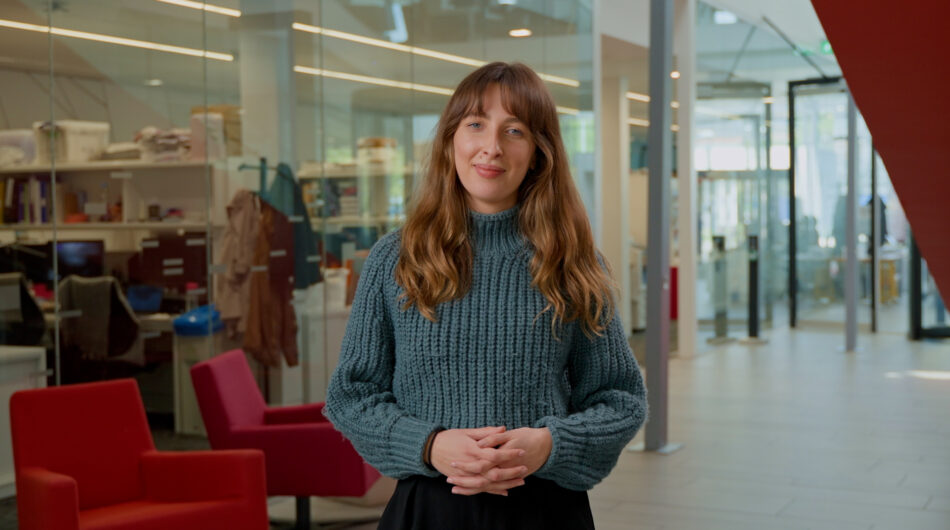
[{"x": 487, "y": 361}]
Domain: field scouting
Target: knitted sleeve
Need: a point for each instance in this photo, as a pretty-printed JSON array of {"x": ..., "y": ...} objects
[
  {"x": 609, "y": 398},
  {"x": 360, "y": 401}
]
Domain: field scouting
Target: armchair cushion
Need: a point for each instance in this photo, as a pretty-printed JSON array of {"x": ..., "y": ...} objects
[
  {"x": 307, "y": 459},
  {"x": 148, "y": 515},
  {"x": 204, "y": 475}
]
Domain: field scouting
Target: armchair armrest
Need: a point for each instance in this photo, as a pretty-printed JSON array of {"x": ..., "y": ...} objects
[
  {"x": 172, "y": 476},
  {"x": 311, "y": 413},
  {"x": 47, "y": 500}
]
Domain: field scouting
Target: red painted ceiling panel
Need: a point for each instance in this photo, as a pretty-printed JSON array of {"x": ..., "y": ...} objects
[{"x": 895, "y": 57}]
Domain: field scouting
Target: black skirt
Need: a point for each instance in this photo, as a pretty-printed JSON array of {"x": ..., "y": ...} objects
[{"x": 424, "y": 503}]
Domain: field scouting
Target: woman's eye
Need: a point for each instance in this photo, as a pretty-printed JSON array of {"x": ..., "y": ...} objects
[
  {"x": 475, "y": 125},
  {"x": 515, "y": 132}
]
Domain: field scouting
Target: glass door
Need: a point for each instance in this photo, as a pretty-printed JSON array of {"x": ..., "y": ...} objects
[
  {"x": 818, "y": 178},
  {"x": 732, "y": 162}
]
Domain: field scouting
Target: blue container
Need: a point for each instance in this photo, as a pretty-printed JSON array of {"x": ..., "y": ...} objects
[
  {"x": 144, "y": 298},
  {"x": 194, "y": 323}
]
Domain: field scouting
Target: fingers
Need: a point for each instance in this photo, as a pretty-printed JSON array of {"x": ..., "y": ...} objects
[
  {"x": 468, "y": 491},
  {"x": 494, "y": 440},
  {"x": 473, "y": 468},
  {"x": 480, "y": 484},
  {"x": 502, "y": 474},
  {"x": 498, "y": 456},
  {"x": 488, "y": 470},
  {"x": 478, "y": 434}
]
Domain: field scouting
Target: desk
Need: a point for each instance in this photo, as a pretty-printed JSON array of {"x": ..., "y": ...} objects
[
  {"x": 887, "y": 284},
  {"x": 21, "y": 368}
]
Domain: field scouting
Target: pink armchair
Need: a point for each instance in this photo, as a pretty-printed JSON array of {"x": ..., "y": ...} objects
[
  {"x": 305, "y": 456},
  {"x": 84, "y": 458}
]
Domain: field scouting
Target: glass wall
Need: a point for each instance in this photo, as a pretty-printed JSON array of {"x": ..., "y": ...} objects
[
  {"x": 894, "y": 251},
  {"x": 742, "y": 159},
  {"x": 157, "y": 158}
]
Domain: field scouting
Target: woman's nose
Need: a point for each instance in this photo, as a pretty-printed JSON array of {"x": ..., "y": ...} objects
[{"x": 492, "y": 145}]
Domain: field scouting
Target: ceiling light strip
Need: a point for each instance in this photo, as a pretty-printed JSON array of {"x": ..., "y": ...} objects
[
  {"x": 207, "y": 7},
  {"x": 640, "y": 122},
  {"x": 379, "y": 81},
  {"x": 636, "y": 96},
  {"x": 117, "y": 40},
  {"x": 424, "y": 52}
]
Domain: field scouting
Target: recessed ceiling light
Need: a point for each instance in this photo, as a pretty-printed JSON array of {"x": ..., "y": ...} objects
[
  {"x": 675, "y": 74},
  {"x": 507, "y": 2},
  {"x": 520, "y": 32},
  {"x": 154, "y": 82},
  {"x": 724, "y": 17}
]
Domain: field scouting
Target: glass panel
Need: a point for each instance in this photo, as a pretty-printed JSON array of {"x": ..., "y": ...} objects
[
  {"x": 26, "y": 286},
  {"x": 731, "y": 162},
  {"x": 820, "y": 188},
  {"x": 159, "y": 133},
  {"x": 892, "y": 284},
  {"x": 864, "y": 227},
  {"x": 131, "y": 198},
  {"x": 933, "y": 304}
]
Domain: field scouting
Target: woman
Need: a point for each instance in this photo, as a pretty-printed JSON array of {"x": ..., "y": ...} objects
[{"x": 483, "y": 353}]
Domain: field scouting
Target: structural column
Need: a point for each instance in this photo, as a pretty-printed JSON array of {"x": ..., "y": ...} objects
[
  {"x": 851, "y": 263},
  {"x": 614, "y": 214},
  {"x": 658, "y": 239},
  {"x": 684, "y": 43},
  {"x": 268, "y": 95}
]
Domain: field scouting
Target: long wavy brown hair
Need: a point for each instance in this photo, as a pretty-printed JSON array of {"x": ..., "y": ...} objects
[{"x": 435, "y": 261}]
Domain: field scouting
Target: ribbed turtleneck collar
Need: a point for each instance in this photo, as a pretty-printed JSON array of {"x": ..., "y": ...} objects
[{"x": 496, "y": 232}]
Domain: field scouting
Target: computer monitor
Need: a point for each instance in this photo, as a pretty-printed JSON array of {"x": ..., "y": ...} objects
[
  {"x": 82, "y": 258},
  {"x": 34, "y": 260}
]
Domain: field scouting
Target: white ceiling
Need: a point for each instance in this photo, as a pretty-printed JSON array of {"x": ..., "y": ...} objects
[{"x": 796, "y": 18}]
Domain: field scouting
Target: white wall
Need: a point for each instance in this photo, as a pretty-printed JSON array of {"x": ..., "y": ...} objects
[{"x": 627, "y": 20}]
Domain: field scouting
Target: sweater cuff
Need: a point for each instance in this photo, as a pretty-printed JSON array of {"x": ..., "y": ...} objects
[
  {"x": 407, "y": 442},
  {"x": 564, "y": 447}
]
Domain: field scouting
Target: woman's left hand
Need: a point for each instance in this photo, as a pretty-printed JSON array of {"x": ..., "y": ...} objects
[{"x": 536, "y": 444}]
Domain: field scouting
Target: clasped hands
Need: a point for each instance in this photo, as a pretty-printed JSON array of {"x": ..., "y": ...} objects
[{"x": 489, "y": 459}]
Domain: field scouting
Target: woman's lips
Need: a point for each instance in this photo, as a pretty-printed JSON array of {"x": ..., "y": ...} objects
[{"x": 488, "y": 171}]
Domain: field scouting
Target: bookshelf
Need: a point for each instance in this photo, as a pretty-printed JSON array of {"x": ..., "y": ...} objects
[
  {"x": 97, "y": 186},
  {"x": 342, "y": 196},
  {"x": 99, "y": 166}
]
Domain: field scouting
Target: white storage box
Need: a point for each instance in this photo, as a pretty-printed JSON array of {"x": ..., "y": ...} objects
[
  {"x": 18, "y": 147},
  {"x": 73, "y": 140}
]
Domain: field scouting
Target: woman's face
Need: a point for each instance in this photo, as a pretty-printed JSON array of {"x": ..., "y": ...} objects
[{"x": 492, "y": 155}]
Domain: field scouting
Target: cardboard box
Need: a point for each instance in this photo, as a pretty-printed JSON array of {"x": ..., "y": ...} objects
[{"x": 232, "y": 125}]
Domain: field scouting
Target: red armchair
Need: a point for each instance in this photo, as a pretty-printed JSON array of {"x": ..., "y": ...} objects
[
  {"x": 304, "y": 454},
  {"x": 84, "y": 459}
]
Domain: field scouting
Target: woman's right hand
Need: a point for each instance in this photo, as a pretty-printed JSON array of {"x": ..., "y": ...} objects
[{"x": 460, "y": 446}]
